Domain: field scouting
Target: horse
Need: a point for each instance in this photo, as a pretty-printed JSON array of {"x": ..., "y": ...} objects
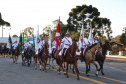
[
  {"x": 15, "y": 55},
  {"x": 4, "y": 50},
  {"x": 27, "y": 56},
  {"x": 44, "y": 56},
  {"x": 89, "y": 56},
  {"x": 0, "y": 49},
  {"x": 100, "y": 58},
  {"x": 69, "y": 59}
]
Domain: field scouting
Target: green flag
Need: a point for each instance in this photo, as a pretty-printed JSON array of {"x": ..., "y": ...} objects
[
  {"x": 20, "y": 42},
  {"x": 33, "y": 41}
]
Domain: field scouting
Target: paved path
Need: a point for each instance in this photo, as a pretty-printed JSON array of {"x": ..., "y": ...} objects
[{"x": 10, "y": 73}]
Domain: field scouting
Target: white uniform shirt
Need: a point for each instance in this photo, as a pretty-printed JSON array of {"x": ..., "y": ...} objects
[
  {"x": 67, "y": 42},
  {"x": 54, "y": 44},
  {"x": 96, "y": 41},
  {"x": 42, "y": 42},
  {"x": 14, "y": 45},
  {"x": 85, "y": 42},
  {"x": 27, "y": 44}
]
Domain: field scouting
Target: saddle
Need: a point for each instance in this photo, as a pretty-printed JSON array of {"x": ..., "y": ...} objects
[{"x": 61, "y": 52}]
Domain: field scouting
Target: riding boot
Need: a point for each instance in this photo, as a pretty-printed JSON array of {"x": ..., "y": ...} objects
[{"x": 82, "y": 58}]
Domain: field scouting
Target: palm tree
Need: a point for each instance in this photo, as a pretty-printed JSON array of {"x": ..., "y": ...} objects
[{"x": 3, "y": 23}]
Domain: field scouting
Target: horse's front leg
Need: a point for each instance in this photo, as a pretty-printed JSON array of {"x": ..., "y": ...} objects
[
  {"x": 96, "y": 68},
  {"x": 16, "y": 57},
  {"x": 35, "y": 59},
  {"x": 13, "y": 59},
  {"x": 77, "y": 71},
  {"x": 102, "y": 68},
  {"x": 49, "y": 62},
  {"x": 67, "y": 69},
  {"x": 40, "y": 64},
  {"x": 87, "y": 64}
]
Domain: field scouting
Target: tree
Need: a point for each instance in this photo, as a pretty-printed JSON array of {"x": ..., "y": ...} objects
[
  {"x": 123, "y": 39},
  {"x": 3, "y": 23},
  {"x": 63, "y": 29},
  {"x": 78, "y": 15},
  {"x": 15, "y": 35},
  {"x": 28, "y": 32},
  {"x": 99, "y": 25},
  {"x": 117, "y": 38}
]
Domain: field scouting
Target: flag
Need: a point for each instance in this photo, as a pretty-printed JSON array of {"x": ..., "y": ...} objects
[
  {"x": 9, "y": 42},
  {"x": 81, "y": 37},
  {"x": 50, "y": 48},
  {"x": 57, "y": 37},
  {"x": 20, "y": 42},
  {"x": 33, "y": 41},
  {"x": 37, "y": 39},
  {"x": 23, "y": 40},
  {"x": 90, "y": 38}
]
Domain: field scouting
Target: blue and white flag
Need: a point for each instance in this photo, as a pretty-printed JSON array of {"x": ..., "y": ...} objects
[{"x": 9, "y": 42}]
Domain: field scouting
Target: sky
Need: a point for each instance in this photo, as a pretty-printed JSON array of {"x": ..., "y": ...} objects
[{"x": 30, "y": 13}]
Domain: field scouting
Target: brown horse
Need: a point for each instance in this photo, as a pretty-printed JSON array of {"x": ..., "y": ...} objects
[
  {"x": 90, "y": 56},
  {"x": 44, "y": 57},
  {"x": 15, "y": 55},
  {"x": 69, "y": 59},
  {"x": 100, "y": 58}
]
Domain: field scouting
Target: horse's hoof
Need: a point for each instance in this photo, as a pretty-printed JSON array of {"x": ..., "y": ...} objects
[
  {"x": 40, "y": 69},
  {"x": 46, "y": 71},
  {"x": 35, "y": 68},
  {"x": 87, "y": 75},
  {"x": 49, "y": 68},
  {"x": 64, "y": 73},
  {"x": 67, "y": 76},
  {"x": 58, "y": 72},
  {"x": 96, "y": 74},
  {"x": 73, "y": 71},
  {"x": 43, "y": 69},
  {"x": 78, "y": 78},
  {"x": 103, "y": 74},
  {"x": 53, "y": 67}
]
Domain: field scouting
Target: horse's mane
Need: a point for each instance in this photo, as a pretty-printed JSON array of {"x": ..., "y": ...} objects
[{"x": 92, "y": 45}]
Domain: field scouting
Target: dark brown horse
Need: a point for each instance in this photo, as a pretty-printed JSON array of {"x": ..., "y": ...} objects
[
  {"x": 90, "y": 56},
  {"x": 100, "y": 58},
  {"x": 69, "y": 59},
  {"x": 44, "y": 57},
  {"x": 15, "y": 55}
]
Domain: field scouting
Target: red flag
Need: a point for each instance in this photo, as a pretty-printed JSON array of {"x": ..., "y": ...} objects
[{"x": 57, "y": 37}]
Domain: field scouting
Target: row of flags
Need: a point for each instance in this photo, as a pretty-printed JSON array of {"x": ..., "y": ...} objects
[{"x": 57, "y": 38}]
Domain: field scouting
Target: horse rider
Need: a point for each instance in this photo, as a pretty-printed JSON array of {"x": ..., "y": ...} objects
[
  {"x": 14, "y": 45},
  {"x": 67, "y": 43},
  {"x": 54, "y": 49},
  {"x": 85, "y": 43},
  {"x": 96, "y": 40},
  {"x": 42, "y": 42},
  {"x": 27, "y": 44}
]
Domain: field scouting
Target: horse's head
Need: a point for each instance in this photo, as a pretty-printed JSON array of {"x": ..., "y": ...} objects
[
  {"x": 107, "y": 46},
  {"x": 46, "y": 48},
  {"x": 46, "y": 45},
  {"x": 99, "y": 47},
  {"x": 74, "y": 47}
]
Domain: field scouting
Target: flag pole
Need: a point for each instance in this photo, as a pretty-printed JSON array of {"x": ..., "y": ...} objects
[
  {"x": 83, "y": 30},
  {"x": 60, "y": 28}
]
